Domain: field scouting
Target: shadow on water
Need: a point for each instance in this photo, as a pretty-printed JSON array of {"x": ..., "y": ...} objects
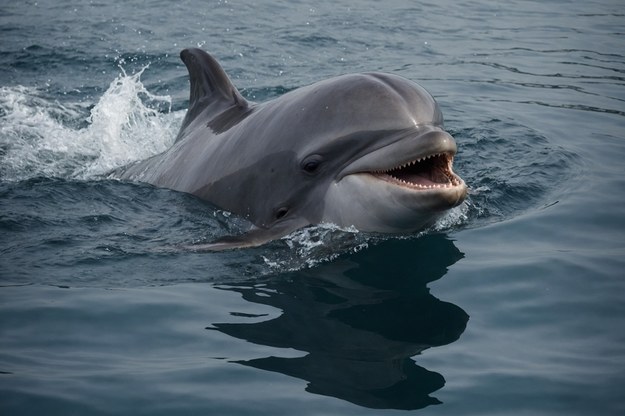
[{"x": 359, "y": 319}]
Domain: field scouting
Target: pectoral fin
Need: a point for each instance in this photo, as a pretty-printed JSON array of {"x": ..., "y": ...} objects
[{"x": 253, "y": 238}]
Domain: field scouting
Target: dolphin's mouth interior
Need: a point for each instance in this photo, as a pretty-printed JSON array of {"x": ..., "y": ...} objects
[{"x": 429, "y": 172}]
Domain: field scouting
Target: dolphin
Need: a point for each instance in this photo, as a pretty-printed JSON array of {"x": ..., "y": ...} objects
[{"x": 364, "y": 150}]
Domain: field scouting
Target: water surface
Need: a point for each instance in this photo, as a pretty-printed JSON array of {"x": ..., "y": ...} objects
[{"x": 512, "y": 304}]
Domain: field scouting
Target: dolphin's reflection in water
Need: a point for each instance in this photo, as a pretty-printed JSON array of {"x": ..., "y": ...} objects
[{"x": 360, "y": 319}]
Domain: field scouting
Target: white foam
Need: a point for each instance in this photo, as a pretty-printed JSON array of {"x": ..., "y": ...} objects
[
  {"x": 453, "y": 218},
  {"x": 39, "y": 136},
  {"x": 314, "y": 245}
]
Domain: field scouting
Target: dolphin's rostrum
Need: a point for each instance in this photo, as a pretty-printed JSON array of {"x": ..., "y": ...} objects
[{"x": 364, "y": 150}]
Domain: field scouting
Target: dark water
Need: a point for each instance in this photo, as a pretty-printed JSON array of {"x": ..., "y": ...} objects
[{"x": 513, "y": 304}]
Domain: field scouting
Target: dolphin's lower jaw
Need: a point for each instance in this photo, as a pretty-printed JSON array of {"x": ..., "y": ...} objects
[{"x": 399, "y": 200}]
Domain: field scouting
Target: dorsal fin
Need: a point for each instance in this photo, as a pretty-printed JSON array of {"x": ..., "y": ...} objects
[{"x": 210, "y": 86}]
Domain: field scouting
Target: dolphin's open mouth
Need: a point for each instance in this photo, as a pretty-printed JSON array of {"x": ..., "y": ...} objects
[{"x": 429, "y": 172}]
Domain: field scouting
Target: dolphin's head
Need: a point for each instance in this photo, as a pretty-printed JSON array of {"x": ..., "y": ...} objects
[{"x": 366, "y": 150}]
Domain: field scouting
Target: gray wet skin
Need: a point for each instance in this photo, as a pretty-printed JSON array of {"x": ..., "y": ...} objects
[{"x": 328, "y": 152}]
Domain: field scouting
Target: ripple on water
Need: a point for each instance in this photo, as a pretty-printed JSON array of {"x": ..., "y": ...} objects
[{"x": 510, "y": 169}]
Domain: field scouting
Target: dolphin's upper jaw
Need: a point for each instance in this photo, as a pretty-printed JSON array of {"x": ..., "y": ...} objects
[{"x": 426, "y": 173}]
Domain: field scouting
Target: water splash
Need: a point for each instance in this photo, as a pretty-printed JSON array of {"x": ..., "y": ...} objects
[
  {"x": 308, "y": 247},
  {"x": 39, "y": 136},
  {"x": 126, "y": 126},
  {"x": 453, "y": 218},
  {"x": 311, "y": 246}
]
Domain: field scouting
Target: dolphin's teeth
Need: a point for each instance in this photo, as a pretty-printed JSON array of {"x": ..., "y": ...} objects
[{"x": 438, "y": 172}]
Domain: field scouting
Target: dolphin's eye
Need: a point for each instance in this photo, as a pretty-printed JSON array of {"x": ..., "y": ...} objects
[
  {"x": 281, "y": 212},
  {"x": 311, "y": 164}
]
